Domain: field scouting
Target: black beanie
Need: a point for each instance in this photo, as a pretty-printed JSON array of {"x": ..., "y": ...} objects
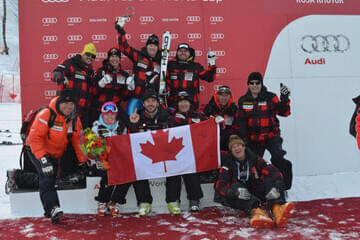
[
  {"x": 66, "y": 95},
  {"x": 255, "y": 76},
  {"x": 153, "y": 39},
  {"x": 113, "y": 51},
  {"x": 150, "y": 94}
]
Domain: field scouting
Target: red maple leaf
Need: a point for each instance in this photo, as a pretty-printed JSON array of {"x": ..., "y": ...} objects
[{"x": 163, "y": 150}]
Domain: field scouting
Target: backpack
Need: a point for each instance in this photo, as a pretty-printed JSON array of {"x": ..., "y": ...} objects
[
  {"x": 25, "y": 163},
  {"x": 352, "y": 124}
]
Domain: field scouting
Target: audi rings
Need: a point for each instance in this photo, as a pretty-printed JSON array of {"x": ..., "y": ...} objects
[{"x": 329, "y": 43}]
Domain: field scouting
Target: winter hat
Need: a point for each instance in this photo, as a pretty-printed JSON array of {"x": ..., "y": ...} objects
[
  {"x": 153, "y": 39},
  {"x": 255, "y": 76},
  {"x": 66, "y": 95},
  {"x": 113, "y": 52},
  {"x": 183, "y": 45},
  {"x": 224, "y": 89},
  {"x": 184, "y": 95},
  {"x": 234, "y": 139},
  {"x": 89, "y": 48},
  {"x": 150, "y": 94}
]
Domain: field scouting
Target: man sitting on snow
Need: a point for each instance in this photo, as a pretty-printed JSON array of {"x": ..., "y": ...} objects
[{"x": 246, "y": 180}]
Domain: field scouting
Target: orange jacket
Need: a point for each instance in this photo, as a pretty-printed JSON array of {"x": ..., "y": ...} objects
[
  {"x": 53, "y": 141},
  {"x": 357, "y": 126}
]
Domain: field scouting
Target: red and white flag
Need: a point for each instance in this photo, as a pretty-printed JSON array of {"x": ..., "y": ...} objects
[{"x": 170, "y": 152}]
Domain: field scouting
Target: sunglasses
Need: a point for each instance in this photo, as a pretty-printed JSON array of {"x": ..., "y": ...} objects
[
  {"x": 254, "y": 83},
  {"x": 183, "y": 94},
  {"x": 224, "y": 90},
  {"x": 109, "y": 108},
  {"x": 90, "y": 55}
]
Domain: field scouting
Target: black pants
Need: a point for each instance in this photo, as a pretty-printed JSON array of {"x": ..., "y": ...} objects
[
  {"x": 274, "y": 146},
  {"x": 192, "y": 186},
  {"x": 117, "y": 193},
  {"x": 257, "y": 197},
  {"x": 48, "y": 194}
]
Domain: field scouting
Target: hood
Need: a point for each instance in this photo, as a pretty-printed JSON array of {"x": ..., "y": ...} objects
[{"x": 216, "y": 100}]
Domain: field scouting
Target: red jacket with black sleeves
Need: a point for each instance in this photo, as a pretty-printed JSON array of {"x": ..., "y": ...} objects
[
  {"x": 145, "y": 67},
  {"x": 79, "y": 80},
  {"x": 186, "y": 76},
  {"x": 259, "y": 170},
  {"x": 256, "y": 119}
]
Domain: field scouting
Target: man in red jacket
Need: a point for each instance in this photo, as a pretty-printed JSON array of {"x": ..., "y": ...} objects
[{"x": 45, "y": 146}]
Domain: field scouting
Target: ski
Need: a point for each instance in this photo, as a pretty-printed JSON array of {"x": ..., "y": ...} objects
[{"x": 165, "y": 51}]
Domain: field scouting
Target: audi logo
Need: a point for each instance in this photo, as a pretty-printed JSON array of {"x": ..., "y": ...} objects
[
  {"x": 216, "y": 19},
  {"x": 50, "y": 93},
  {"x": 49, "y": 20},
  {"x": 325, "y": 43},
  {"x": 99, "y": 37},
  {"x": 50, "y": 38},
  {"x": 174, "y": 36},
  {"x": 101, "y": 55},
  {"x": 217, "y": 36},
  {"x": 54, "y": 1},
  {"x": 73, "y": 38},
  {"x": 46, "y": 74},
  {"x": 193, "y": 18},
  {"x": 128, "y": 19},
  {"x": 145, "y": 19},
  {"x": 70, "y": 55},
  {"x": 221, "y": 70},
  {"x": 144, "y": 36},
  {"x": 127, "y": 36},
  {"x": 74, "y": 20},
  {"x": 214, "y": 1},
  {"x": 194, "y": 35},
  {"x": 220, "y": 53},
  {"x": 50, "y": 56},
  {"x": 198, "y": 53}
]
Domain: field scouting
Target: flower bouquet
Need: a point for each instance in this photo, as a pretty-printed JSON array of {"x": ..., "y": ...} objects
[{"x": 95, "y": 147}]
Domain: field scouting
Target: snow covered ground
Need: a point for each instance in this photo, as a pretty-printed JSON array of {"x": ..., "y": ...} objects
[{"x": 304, "y": 188}]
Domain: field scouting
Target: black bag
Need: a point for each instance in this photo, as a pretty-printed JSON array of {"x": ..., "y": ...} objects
[
  {"x": 286, "y": 170},
  {"x": 26, "y": 180},
  {"x": 352, "y": 124}
]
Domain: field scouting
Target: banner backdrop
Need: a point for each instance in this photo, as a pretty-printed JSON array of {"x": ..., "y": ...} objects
[{"x": 240, "y": 32}]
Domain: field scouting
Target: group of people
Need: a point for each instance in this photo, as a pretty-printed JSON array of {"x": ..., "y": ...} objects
[{"x": 89, "y": 98}]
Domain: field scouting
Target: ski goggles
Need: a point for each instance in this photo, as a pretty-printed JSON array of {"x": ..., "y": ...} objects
[
  {"x": 183, "y": 94},
  {"x": 90, "y": 55},
  {"x": 224, "y": 89},
  {"x": 109, "y": 108}
]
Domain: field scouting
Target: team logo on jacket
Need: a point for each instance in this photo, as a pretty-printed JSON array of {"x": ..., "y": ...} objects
[
  {"x": 248, "y": 105},
  {"x": 173, "y": 75},
  {"x": 262, "y": 103},
  {"x": 189, "y": 76}
]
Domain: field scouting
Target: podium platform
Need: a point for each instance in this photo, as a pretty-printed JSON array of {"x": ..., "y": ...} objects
[{"x": 27, "y": 203}]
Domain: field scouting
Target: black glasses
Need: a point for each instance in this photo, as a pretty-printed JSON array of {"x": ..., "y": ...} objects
[
  {"x": 90, "y": 55},
  {"x": 254, "y": 83}
]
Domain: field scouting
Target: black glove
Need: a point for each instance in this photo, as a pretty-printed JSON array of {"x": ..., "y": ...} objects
[
  {"x": 57, "y": 77},
  {"x": 238, "y": 190},
  {"x": 284, "y": 92},
  {"x": 46, "y": 166}
]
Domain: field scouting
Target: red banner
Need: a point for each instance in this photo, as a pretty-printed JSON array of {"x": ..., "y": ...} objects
[{"x": 240, "y": 32}]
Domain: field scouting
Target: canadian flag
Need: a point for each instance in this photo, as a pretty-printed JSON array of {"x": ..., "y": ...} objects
[{"x": 169, "y": 152}]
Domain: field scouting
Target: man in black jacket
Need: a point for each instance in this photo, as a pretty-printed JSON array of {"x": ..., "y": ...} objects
[
  {"x": 154, "y": 117},
  {"x": 246, "y": 180},
  {"x": 222, "y": 104}
]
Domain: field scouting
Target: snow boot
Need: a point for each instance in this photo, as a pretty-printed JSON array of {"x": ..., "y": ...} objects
[
  {"x": 194, "y": 205},
  {"x": 282, "y": 212},
  {"x": 115, "y": 209},
  {"x": 174, "y": 208},
  {"x": 259, "y": 219},
  {"x": 10, "y": 182},
  {"x": 56, "y": 214},
  {"x": 144, "y": 209},
  {"x": 102, "y": 208}
]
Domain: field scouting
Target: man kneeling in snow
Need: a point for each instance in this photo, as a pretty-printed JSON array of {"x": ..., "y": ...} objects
[{"x": 246, "y": 180}]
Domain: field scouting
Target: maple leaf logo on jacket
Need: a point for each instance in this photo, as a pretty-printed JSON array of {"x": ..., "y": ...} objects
[{"x": 163, "y": 150}]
